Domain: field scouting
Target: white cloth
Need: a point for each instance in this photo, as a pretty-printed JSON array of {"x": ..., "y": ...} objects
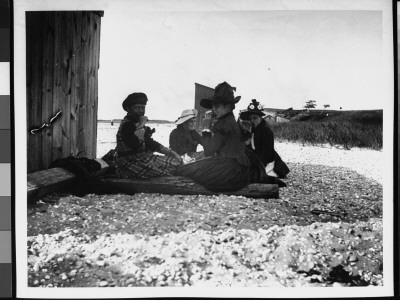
[
  {"x": 140, "y": 130},
  {"x": 187, "y": 159},
  {"x": 269, "y": 169}
]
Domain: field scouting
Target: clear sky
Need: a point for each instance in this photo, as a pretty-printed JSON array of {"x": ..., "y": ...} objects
[{"x": 280, "y": 57}]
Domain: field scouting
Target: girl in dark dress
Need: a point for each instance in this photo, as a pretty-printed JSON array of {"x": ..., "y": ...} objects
[
  {"x": 262, "y": 138},
  {"x": 135, "y": 157},
  {"x": 226, "y": 166}
]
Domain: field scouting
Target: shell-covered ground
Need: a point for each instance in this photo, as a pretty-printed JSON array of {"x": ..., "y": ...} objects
[{"x": 324, "y": 230}]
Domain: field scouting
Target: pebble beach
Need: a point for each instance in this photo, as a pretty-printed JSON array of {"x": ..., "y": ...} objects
[{"x": 325, "y": 230}]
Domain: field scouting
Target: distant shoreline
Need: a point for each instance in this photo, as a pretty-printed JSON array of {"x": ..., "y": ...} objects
[{"x": 150, "y": 121}]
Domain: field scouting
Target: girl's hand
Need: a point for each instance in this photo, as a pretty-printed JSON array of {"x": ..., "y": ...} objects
[
  {"x": 173, "y": 153},
  {"x": 143, "y": 120},
  {"x": 170, "y": 152}
]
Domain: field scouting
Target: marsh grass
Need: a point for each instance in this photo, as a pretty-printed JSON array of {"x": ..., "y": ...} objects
[{"x": 340, "y": 129}]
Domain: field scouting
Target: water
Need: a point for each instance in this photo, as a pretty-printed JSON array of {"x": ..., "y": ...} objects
[{"x": 106, "y": 136}]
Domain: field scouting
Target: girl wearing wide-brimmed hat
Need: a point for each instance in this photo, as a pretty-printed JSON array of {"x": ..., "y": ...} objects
[
  {"x": 184, "y": 139},
  {"x": 226, "y": 166},
  {"x": 262, "y": 139},
  {"x": 135, "y": 147}
]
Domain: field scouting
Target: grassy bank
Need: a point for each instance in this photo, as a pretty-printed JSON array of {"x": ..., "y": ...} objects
[{"x": 342, "y": 129}]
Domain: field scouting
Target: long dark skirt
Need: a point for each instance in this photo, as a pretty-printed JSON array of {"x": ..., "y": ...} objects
[
  {"x": 257, "y": 169},
  {"x": 217, "y": 174}
]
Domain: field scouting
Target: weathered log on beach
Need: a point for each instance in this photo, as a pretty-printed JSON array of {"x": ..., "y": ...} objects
[
  {"x": 51, "y": 180},
  {"x": 177, "y": 185}
]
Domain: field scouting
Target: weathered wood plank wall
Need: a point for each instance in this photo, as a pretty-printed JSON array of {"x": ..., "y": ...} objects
[
  {"x": 201, "y": 91},
  {"x": 62, "y": 74}
]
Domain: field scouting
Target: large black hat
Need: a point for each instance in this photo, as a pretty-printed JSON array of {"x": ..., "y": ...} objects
[
  {"x": 135, "y": 98},
  {"x": 254, "y": 108},
  {"x": 223, "y": 93}
]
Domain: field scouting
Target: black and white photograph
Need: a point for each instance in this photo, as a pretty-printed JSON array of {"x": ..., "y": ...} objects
[{"x": 206, "y": 148}]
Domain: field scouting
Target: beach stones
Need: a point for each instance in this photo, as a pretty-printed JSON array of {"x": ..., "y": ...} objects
[{"x": 212, "y": 240}]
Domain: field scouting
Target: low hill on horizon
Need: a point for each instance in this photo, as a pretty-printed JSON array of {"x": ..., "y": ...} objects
[
  {"x": 363, "y": 116},
  {"x": 347, "y": 129}
]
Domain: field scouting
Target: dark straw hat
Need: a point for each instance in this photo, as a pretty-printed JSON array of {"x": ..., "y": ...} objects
[
  {"x": 135, "y": 98},
  {"x": 223, "y": 93},
  {"x": 254, "y": 108}
]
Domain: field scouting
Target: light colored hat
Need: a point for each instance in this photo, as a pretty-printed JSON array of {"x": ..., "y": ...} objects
[
  {"x": 186, "y": 115},
  {"x": 208, "y": 112}
]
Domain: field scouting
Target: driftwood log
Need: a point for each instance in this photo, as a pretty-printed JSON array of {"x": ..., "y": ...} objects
[
  {"x": 44, "y": 182},
  {"x": 177, "y": 185},
  {"x": 51, "y": 180}
]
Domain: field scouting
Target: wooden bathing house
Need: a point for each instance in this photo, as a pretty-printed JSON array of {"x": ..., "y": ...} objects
[
  {"x": 62, "y": 63},
  {"x": 201, "y": 92}
]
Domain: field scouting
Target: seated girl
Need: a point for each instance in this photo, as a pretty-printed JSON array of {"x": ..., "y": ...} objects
[
  {"x": 135, "y": 149},
  {"x": 184, "y": 139},
  {"x": 226, "y": 166},
  {"x": 262, "y": 140}
]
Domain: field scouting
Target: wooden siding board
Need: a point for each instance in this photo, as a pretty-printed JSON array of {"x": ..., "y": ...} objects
[
  {"x": 89, "y": 87},
  {"x": 93, "y": 79},
  {"x": 82, "y": 99},
  {"x": 77, "y": 95},
  {"x": 74, "y": 84},
  {"x": 67, "y": 58},
  {"x": 48, "y": 89},
  {"x": 58, "y": 101},
  {"x": 34, "y": 90},
  {"x": 97, "y": 65},
  {"x": 96, "y": 34}
]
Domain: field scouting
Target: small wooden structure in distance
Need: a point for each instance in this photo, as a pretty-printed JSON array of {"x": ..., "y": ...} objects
[
  {"x": 62, "y": 62},
  {"x": 201, "y": 92}
]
